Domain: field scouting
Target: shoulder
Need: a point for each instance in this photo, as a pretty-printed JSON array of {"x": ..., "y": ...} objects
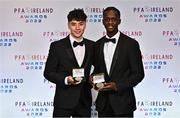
[
  {"x": 89, "y": 42},
  {"x": 129, "y": 40},
  {"x": 60, "y": 42},
  {"x": 99, "y": 41}
]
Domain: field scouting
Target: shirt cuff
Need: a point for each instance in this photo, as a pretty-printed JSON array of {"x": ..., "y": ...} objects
[{"x": 65, "y": 81}]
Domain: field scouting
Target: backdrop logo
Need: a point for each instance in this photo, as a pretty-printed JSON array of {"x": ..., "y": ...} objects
[
  {"x": 31, "y": 62},
  {"x": 136, "y": 33},
  {"x": 94, "y": 14},
  {"x": 156, "y": 61},
  {"x": 49, "y": 84},
  {"x": 54, "y": 35},
  {"x": 9, "y": 38},
  {"x": 33, "y": 15},
  {"x": 153, "y": 13},
  {"x": 154, "y": 108},
  {"x": 172, "y": 83},
  {"x": 34, "y": 108},
  {"x": 10, "y": 85},
  {"x": 173, "y": 36}
]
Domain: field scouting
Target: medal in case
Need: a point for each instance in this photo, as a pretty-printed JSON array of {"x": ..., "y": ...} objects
[
  {"x": 78, "y": 74},
  {"x": 98, "y": 80}
]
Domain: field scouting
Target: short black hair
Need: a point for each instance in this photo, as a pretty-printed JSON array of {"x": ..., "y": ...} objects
[
  {"x": 77, "y": 14},
  {"x": 112, "y": 8}
]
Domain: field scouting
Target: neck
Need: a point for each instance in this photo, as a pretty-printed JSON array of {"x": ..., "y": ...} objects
[
  {"x": 78, "y": 39},
  {"x": 111, "y": 34}
]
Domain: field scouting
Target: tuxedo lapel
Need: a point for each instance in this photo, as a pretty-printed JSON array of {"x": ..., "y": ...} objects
[
  {"x": 86, "y": 55},
  {"x": 102, "y": 54},
  {"x": 119, "y": 48},
  {"x": 70, "y": 51}
]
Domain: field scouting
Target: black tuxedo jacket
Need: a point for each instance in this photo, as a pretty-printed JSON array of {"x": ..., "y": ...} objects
[
  {"x": 60, "y": 62},
  {"x": 126, "y": 71}
]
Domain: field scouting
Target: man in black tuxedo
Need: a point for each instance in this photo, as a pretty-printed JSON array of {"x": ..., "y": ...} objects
[
  {"x": 119, "y": 58},
  {"x": 68, "y": 66}
]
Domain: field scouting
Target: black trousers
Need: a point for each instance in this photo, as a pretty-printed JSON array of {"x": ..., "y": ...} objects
[
  {"x": 108, "y": 112},
  {"x": 80, "y": 110}
]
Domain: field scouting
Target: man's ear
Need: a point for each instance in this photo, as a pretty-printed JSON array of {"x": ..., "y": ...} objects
[{"x": 119, "y": 21}]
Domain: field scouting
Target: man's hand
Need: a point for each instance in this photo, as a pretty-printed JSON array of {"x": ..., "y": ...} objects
[
  {"x": 109, "y": 86},
  {"x": 71, "y": 81},
  {"x": 92, "y": 84}
]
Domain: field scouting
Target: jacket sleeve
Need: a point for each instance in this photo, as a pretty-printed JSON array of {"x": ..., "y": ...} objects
[
  {"x": 135, "y": 73},
  {"x": 51, "y": 68}
]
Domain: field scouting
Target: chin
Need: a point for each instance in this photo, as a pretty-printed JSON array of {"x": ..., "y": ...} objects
[
  {"x": 78, "y": 37},
  {"x": 112, "y": 30}
]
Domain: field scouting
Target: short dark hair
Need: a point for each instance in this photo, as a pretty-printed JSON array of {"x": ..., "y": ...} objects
[
  {"x": 112, "y": 8},
  {"x": 77, "y": 14}
]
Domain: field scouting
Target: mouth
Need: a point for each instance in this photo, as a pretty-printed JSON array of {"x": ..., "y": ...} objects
[
  {"x": 77, "y": 32},
  {"x": 110, "y": 28}
]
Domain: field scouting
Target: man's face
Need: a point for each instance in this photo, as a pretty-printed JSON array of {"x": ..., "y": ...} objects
[
  {"x": 111, "y": 21},
  {"x": 77, "y": 28}
]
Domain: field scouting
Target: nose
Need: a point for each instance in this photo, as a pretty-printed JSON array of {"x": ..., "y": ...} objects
[
  {"x": 111, "y": 21},
  {"x": 77, "y": 26}
]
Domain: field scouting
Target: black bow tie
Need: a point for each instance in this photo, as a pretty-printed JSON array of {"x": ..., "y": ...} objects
[
  {"x": 113, "y": 40},
  {"x": 75, "y": 44}
]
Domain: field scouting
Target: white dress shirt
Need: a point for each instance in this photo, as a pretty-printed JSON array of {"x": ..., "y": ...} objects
[
  {"x": 79, "y": 53},
  {"x": 109, "y": 49}
]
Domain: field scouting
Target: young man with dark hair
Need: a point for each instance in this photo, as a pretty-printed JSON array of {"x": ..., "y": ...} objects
[
  {"x": 68, "y": 66},
  {"x": 119, "y": 58}
]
